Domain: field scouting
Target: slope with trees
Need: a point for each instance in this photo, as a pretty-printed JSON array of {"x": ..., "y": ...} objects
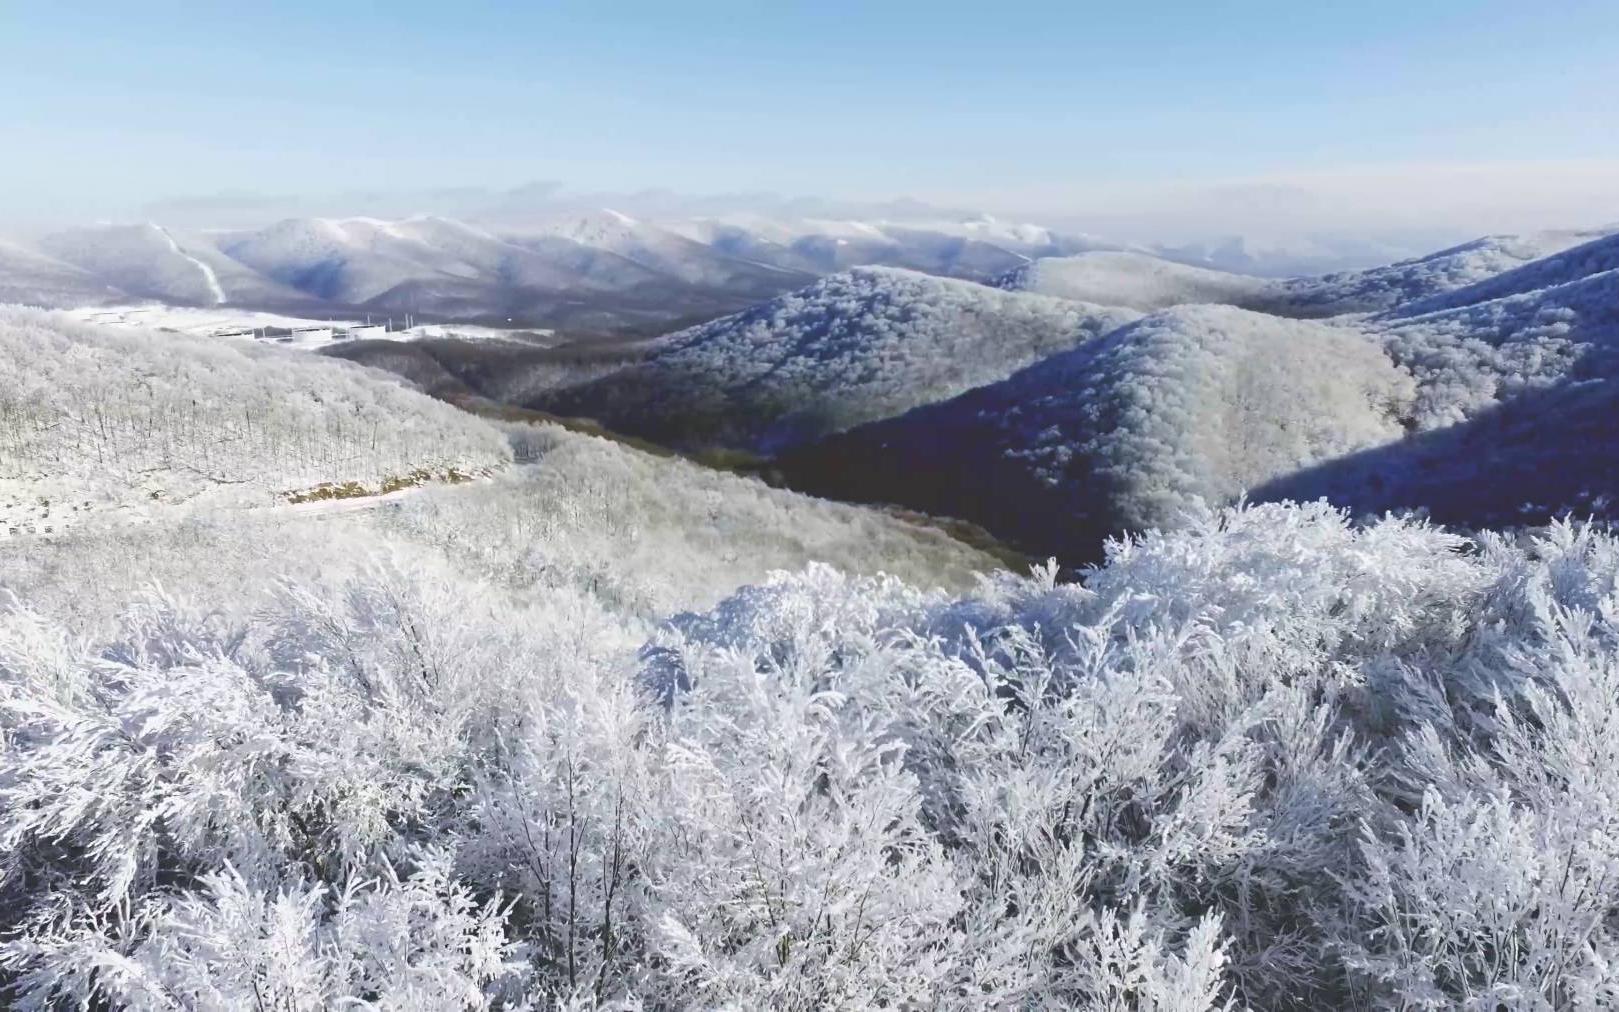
[
  {"x": 854, "y": 347},
  {"x": 1268, "y": 761},
  {"x": 125, "y": 414},
  {"x": 1139, "y": 281},
  {"x": 1125, "y": 432}
]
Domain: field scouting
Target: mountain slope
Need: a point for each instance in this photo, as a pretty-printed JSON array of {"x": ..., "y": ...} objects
[
  {"x": 852, "y": 348},
  {"x": 348, "y": 261},
  {"x": 1383, "y": 288},
  {"x": 584, "y": 274},
  {"x": 127, "y": 414},
  {"x": 1582, "y": 261},
  {"x": 668, "y": 254},
  {"x": 975, "y": 249},
  {"x": 1542, "y": 456},
  {"x": 144, "y": 260},
  {"x": 1210, "y": 402},
  {"x": 33, "y": 279},
  {"x": 1475, "y": 357},
  {"x": 1138, "y": 281},
  {"x": 1123, "y": 433},
  {"x": 1484, "y": 269}
]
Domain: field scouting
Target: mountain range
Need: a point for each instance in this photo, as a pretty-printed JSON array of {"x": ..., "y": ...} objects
[
  {"x": 1050, "y": 410},
  {"x": 592, "y": 272},
  {"x": 1462, "y": 399},
  {"x": 1056, "y": 389}
]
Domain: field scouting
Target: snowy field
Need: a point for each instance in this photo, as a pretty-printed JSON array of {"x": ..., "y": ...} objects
[{"x": 292, "y": 331}]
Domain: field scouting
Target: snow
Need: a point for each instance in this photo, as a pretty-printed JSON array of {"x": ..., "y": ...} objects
[
  {"x": 608, "y": 730},
  {"x": 123, "y": 416},
  {"x": 607, "y": 271},
  {"x": 28, "y": 277},
  {"x": 298, "y": 772},
  {"x": 1594, "y": 257},
  {"x": 141, "y": 260},
  {"x": 1382, "y": 288},
  {"x": 196, "y": 321},
  {"x": 1208, "y": 402},
  {"x": 208, "y": 275},
  {"x": 1123, "y": 432},
  {"x": 1135, "y": 280},
  {"x": 1477, "y": 356},
  {"x": 852, "y": 348}
]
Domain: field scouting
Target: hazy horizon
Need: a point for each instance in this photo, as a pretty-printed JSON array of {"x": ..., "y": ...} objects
[{"x": 1451, "y": 120}]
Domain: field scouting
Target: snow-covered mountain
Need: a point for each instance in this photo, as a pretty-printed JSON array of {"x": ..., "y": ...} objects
[
  {"x": 1484, "y": 269},
  {"x": 979, "y": 248},
  {"x": 596, "y": 271},
  {"x": 357, "y": 261},
  {"x": 116, "y": 416},
  {"x": 32, "y": 278},
  {"x": 666, "y": 253},
  {"x": 1517, "y": 409},
  {"x": 1125, "y": 431},
  {"x": 1600, "y": 253},
  {"x": 1382, "y": 288},
  {"x": 1206, "y": 402},
  {"x": 1139, "y": 281},
  {"x": 149, "y": 261},
  {"x": 603, "y": 270},
  {"x": 586, "y": 274},
  {"x": 853, "y": 347},
  {"x": 1476, "y": 357},
  {"x": 1286, "y": 256}
]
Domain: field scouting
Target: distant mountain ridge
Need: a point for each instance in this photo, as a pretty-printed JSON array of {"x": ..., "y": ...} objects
[{"x": 600, "y": 271}]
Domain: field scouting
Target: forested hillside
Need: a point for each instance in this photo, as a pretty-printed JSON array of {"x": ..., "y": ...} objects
[
  {"x": 1197, "y": 403},
  {"x": 611, "y": 729},
  {"x": 110, "y": 414},
  {"x": 1268, "y": 761},
  {"x": 1427, "y": 405},
  {"x": 852, "y": 348}
]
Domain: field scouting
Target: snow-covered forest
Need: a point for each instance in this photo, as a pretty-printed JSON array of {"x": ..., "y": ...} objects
[
  {"x": 820, "y": 507},
  {"x": 1477, "y": 375},
  {"x": 854, "y": 347},
  {"x": 1269, "y": 760},
  {"x": 112, "y": 416},
  {"x": 322, "y": 693}
]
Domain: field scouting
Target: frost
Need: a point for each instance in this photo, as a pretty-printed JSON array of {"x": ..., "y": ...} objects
[
  {"x": 1269, "y": 760},
  {"x": 854, "y": 347},
  {"x": 131, "y": 414}
]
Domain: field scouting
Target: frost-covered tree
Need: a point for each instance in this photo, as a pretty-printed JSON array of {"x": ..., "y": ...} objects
[
  {"x": 126, "y": 413},
  {"x": 1269, "y": 760}
]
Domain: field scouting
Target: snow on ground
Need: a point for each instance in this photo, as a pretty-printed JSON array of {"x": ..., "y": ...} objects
[
  {"x": 470, "y": 332},
  {"x": 209, "y": 278},
  {"x": 293, "y": 331},
  {"x": 132, "y": 416},
  {"x": 1136, "y": 280},
  {"x": 202, "y": 322}
]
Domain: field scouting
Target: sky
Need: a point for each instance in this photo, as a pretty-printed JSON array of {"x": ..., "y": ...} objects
[{"x": 1130, "y": 115}]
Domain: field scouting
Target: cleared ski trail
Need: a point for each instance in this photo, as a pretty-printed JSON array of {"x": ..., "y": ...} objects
[{"x": 214, "y": 287}]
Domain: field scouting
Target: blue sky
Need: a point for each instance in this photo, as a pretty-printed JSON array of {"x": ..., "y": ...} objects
[{"x": 1032, "y": 106}]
